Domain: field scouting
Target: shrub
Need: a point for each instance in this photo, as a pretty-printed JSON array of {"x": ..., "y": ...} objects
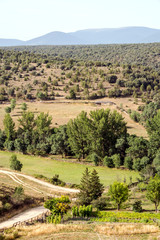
[
  {"x": 128, "y": 162},
  {"x": 116, "y": 160},
  {"x": 56, "y": 181},
  {"x": 15, "y": 164},
  {"x": 137, "y": 206},
  {"x": 7, "y": 206},
  {"x": 137, "y": 164},
  {"x": 112, "y": 79},
  {"x": 95, "y": 158},
  {"x": 8, "y": 109},
  {"x": 108, "y": 161},
  {"x": 142, "y": 186},
  {"x": 100, "y": 203}
]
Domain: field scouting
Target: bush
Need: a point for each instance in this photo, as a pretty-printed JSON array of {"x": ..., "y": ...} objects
[
  {"x": 144, "y": 162},
  {"x": 95, "y": 158},
  {"x": 142, "y": 186},
  {"x": 15, "y": 164},
  {"x": 7, "y": 206},
  {"x": 107, "y": 161},
  {"x": 100, "y": 203},
  {"x": 137, "y": 164},
  {"x": 116, "y": 160},
  {"x": 128, "y": 162},
  {"x": 8, "y": 109},
  {"x": 56, "y": 181},
  {"x": 112, "y": 79},
  {"x": 137, "y": 206}
]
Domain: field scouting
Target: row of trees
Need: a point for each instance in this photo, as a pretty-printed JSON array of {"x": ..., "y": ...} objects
[
  {"x": 81, "y": 136},
  {"x": 100, "y": 137}
]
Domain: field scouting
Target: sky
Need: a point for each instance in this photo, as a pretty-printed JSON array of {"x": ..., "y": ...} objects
[{"x": 27, "y": 19}]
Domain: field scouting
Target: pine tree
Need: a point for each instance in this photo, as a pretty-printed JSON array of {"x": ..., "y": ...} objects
[
  {"x": 97, "y": 188},
  {"x": 85, "y": 190},
  {"x": 90, "y": 187}
]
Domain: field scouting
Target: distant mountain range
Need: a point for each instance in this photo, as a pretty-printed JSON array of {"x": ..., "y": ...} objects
[{"x": 92, "y": 36}]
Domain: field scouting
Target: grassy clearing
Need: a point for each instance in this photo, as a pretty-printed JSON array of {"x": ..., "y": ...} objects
[
  {"x": 68, "y": 172},
  {"x": 63, "y": 111},
  {"x": 83, "y": 231}
]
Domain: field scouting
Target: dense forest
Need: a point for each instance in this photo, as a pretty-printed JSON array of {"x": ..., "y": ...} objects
[{"x": 139, "y": 54}]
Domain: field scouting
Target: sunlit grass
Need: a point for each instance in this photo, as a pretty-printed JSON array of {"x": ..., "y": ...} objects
[{"x": 68, "y": 171}]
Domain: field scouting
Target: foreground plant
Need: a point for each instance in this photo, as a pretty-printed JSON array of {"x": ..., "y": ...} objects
[{"x": 58, "y": 207}]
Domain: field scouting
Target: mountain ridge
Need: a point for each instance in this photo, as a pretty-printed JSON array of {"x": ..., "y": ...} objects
[{"x": 124, "y": 35}]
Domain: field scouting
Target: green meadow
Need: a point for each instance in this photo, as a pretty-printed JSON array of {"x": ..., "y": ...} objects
[{"x": 70, "y": 172}]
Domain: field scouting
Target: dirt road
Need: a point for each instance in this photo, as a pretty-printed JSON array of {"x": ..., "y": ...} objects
[
  {"x": 14, "y": 176},
  {"x": 24, "y": 216},
  {"x": 33, "y": 212}
]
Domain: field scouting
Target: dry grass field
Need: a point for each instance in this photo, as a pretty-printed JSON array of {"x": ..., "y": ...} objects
[
  {"x": 81, "y": 231},
  {"x": 63, "y": 110}
]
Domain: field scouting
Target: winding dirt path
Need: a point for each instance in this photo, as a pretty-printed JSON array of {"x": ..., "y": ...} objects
[
  {"x": 14, "y": 177},
  {"x": 33, "y": 212}
]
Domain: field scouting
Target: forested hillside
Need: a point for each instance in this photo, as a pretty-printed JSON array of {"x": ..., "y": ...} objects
[{"x": 80, "y": 72}]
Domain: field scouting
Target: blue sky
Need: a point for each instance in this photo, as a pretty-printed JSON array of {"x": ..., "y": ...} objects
[{"x": 26, "y": 19}]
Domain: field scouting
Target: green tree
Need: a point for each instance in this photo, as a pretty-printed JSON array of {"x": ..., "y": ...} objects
[
  {"x": 43, "y": 125},
  {"x": 9, "y": 128},
  {"x": 15, "y": 164},
  {"x": 105, "y": 128},
  {"x": 153, "y": 191},
  {"x": 153, "y": 129},
  {"x": 77, "y": 131},
  {"x": 85, "y": 191},
  {"x": 119, "y": 193},
  {"x": 27, "y": 122},
  {"x": 60, "y": 141},
  {"x": 96, "y": 187},
  {"x": 116, "y": 160},
  {"x": 25, "y": 133},
  {"x": 149, "y": 111},
  {"x": 138, "y": 147},
  {"x": 156, "y": 161},
  {"x": 2, "y": 139},
  {"x": 90, "y": 187}
]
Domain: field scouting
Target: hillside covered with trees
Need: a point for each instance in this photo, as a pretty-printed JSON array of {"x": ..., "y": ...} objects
[{"x": 80, "y": 72}]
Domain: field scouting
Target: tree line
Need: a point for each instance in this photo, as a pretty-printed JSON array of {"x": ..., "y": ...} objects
[{"x": 100, "y": 137}]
